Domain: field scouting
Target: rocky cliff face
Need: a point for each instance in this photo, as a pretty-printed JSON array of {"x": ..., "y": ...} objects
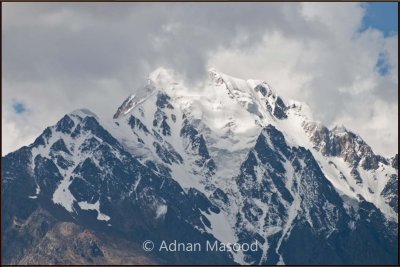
[
  {"x": 231, "y": 163},
  {"x": 42, "y": 239}
]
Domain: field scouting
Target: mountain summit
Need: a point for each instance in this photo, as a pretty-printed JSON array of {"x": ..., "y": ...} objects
[{"x": 228, "y": 162}]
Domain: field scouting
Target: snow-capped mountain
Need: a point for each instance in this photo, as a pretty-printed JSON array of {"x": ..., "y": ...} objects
[{"x": 228, "y": 161}]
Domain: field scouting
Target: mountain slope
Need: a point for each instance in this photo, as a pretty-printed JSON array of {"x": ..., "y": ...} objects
[{"x": 230, "y": 161}]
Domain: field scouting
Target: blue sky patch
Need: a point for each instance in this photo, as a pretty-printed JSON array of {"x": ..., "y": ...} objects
[
  {"x": 18, "y": 107},
  {"x": 382, "y": 65},
  {"x": 383, "y": 16}
]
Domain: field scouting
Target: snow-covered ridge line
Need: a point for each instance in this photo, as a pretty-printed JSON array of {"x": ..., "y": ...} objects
[{"x": 231, "y": 113}]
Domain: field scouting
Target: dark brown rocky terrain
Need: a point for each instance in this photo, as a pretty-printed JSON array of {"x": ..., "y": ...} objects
[{"x": 40, "y": 239}]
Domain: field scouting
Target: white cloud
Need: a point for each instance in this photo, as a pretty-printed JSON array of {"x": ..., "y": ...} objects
[
  {"x": 334, "y": 70},
  {"x": 59, "y": 57},
  {"x": 48, "y": 102},
  {"x": 376, "y": 122},
  {"x": 17, "y": 133},
  {"x": 275, "y": 60}
]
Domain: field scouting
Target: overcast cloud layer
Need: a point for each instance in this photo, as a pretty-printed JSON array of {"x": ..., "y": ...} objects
[{"x": 59, "y": 57}]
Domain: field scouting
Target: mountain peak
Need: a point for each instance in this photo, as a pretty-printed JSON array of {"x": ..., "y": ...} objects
[
  {"x": 339, "y": 129},
  {"x": 215, "y": 76},
  {"x": 163, "y": 77},
  {"x": 212, "y": 70},
  {"x": 83, "y": 112}
]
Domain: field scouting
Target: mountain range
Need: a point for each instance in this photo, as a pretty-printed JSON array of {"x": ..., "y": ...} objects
[{"x": 226, "y": 161}]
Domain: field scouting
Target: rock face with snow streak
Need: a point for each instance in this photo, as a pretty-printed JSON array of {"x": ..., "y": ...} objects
[{"x": 228, "y": 162}]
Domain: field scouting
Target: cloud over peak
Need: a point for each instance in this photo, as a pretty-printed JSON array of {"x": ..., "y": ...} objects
[{"x": 61, "y": 56}]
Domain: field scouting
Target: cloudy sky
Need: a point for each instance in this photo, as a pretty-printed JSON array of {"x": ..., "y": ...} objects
[{"x": 340, "y": 58}]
